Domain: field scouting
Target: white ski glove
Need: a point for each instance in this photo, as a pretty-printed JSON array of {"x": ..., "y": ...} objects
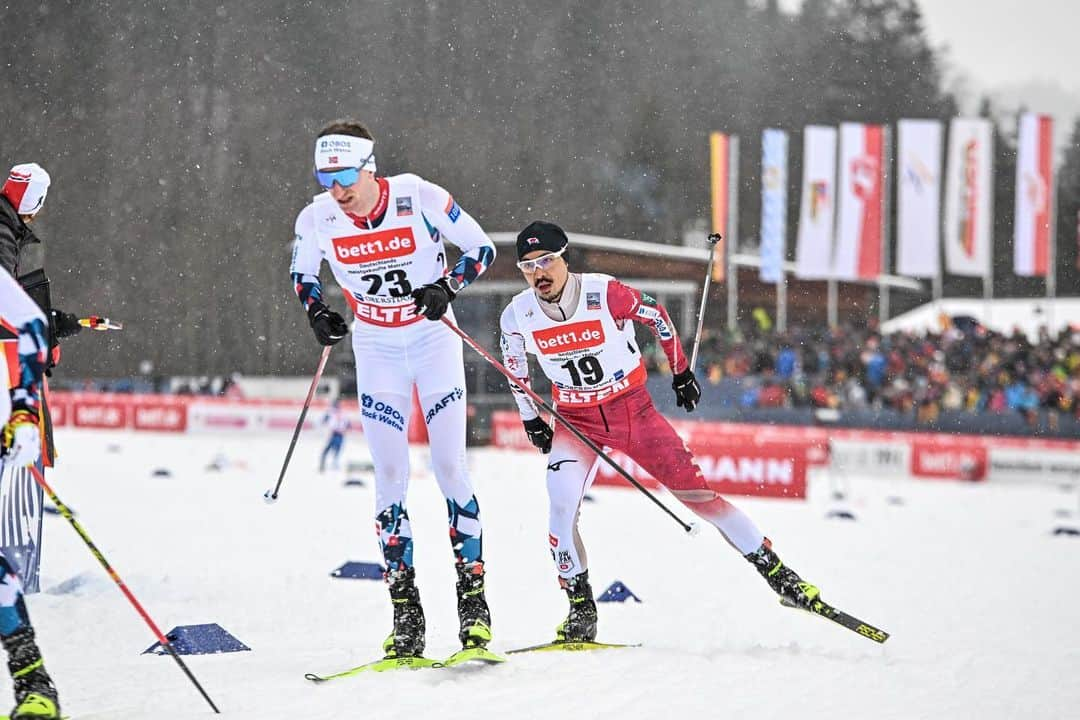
[{"x": 22, "y": 441}]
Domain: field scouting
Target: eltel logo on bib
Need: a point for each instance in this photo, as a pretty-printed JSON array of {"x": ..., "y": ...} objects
[
  {"x": 356, "y": 249},
  {"x": 569, "y": 337}
]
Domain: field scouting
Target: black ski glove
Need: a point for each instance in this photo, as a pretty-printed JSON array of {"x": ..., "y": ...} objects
[
  {"x": 433, "y": 299},
  {"x": 329, "y": 327},
  {"x": 687, "y": 390},
  {"x": 540, "y": 433},
  {"x": 64, "y": 324}
]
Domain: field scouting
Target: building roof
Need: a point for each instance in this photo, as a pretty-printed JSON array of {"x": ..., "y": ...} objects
[
  {"x": 1001, "y": 315},
  {"x": 635, "y": 247}
]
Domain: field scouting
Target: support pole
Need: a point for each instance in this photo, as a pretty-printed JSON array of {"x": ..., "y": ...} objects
[
  {"x": 833, "y": 303},
  {"x": 781, "y": 303},
  {"x": 732, "y": 291},
  {"x": 732, "y": 238},
  {"x": 886, "y": 208}
]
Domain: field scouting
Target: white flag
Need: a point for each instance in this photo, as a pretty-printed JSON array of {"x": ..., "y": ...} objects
[
  {"x": 1034, "y": 195},
  {"x": 918, "y": 206},
  {"x": 813, "y": 254},
  {"x": 861, "y": 197},
  {"x": 969, "y": 209}
]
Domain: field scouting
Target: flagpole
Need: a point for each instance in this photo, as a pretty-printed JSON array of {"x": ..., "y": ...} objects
[
  {"x": 1051, "y": 251},
  {"x": 732, "y": 291},
  {"x": 988, "y": 279},
  {"x": 732, "y": 229},
  {"x": 940, "y": 170}
]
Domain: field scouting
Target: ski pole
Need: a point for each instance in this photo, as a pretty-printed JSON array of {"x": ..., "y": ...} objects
[
  {"x": 692, "y": 528},
  {"x": 713, "y": 239},
  {"x": 271, "y": 496},
  {"x": 40, "y": 479},
  {"x": 100, "y": 323}
]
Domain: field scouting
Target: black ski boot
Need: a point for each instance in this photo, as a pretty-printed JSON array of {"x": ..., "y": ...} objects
[
  {"x": 35, "y": 694},
  {"x": 472, "y": 608},
  {"x": 580, "y": 624},
  {"x": 407, "y": 639},
  {"x": 784, "y": 581}
]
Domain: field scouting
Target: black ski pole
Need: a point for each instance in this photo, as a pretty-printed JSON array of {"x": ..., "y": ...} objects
[
  {"x": 713, "y": 239},
  {"x": 271, "y": 495},
  {"x": 692, "y": 528},
  {"x": 161, "y": 638}
]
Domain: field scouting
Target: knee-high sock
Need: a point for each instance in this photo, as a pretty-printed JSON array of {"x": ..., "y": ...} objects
[
  {"x": 385, "y": 419},
  {"x": 13, "y": 615},
  {"x": 570, "y": 471}
]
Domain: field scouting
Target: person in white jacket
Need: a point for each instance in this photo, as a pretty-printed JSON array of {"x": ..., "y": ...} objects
[
  {"x": 23, "y": 323},
  {"x": 384, "y": 240}
]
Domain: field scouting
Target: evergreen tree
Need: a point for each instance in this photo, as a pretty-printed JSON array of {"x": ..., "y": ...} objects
[{"x": 179, "y": 140}]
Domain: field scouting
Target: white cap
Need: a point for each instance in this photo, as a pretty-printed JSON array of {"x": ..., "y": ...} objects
[
  {"x": 26, "y": 188},
  {"x": 344, "y": 151}
]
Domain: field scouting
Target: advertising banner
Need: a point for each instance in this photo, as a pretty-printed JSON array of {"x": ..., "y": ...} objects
[
  {"x": 720, "y": 161},
  {"x": 918, "y": 198},
  {"x": 1034, "y": 195},
  {"x": 813, "y": 252},
  {"x": 969, "y": 212},
  {"x": 861, "y": 202},
  {"x": 774, "y": 169}
]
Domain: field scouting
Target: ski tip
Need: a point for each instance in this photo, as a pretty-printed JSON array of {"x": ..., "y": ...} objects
[
  {"x": 841, "y": 618},
  {"x": 474, "y": 656},
  {"x": 877, "y": 635}
]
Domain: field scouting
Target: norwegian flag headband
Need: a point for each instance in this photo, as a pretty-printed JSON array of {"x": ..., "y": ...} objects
[{"x": 344, "y": 151}]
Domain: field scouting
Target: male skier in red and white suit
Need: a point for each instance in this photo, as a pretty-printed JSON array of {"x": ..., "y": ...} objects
[{"x": 579, "y": 326}]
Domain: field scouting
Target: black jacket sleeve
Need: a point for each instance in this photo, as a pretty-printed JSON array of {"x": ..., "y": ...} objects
[
  {"x": 15, "y": 236},
  {"x": 9, "y": 246}
]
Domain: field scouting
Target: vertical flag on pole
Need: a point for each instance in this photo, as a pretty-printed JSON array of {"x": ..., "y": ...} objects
[
  {"x": 720, "y": 162},
  {"x": 918, "y": 210},
  {"x": 969, "y": 214},
  {"x": 813, "y": 253},
  {"x": 1034, "y": 190},
  {"x": 861, "y": 197},
  {"x": 774, "y": 145}
]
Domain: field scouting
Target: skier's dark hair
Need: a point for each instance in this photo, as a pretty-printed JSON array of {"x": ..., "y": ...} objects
[{"x": 354, "y": 128}]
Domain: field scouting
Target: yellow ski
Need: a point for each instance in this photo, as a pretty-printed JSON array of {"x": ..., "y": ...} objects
[
  {"x": 563, "y": 646},
  {"x": 384, "y": 665}
]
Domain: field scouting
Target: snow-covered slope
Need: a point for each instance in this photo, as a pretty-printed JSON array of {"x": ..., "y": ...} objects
[{"x": 980, "y": 598}]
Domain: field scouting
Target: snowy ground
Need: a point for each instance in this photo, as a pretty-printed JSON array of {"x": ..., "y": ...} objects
[{"x": 981, "y": 600}]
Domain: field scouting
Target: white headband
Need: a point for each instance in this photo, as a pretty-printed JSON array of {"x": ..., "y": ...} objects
[{"x": 345, "y": 151}]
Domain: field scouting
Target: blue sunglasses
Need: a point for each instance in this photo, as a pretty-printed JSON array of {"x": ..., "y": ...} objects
[{"x": 345, "y": 177}]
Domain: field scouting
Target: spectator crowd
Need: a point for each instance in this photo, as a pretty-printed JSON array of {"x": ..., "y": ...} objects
[{"x": 963, "y": 368}]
